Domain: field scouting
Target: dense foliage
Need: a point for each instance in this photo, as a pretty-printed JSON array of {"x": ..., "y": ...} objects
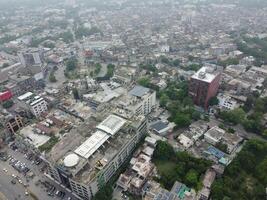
[
  {"x": 175, "y": 98},
  {"x": 104, "y": 193},
  {"x": 71, "y": 64},
  {"x": 178, "y": 166},
  {"x": 246, "y": 177},
  {"x": 52, "y": 77},
  {"x": 251, "y": 121},
  {"x": 82, "y": 31},
  {"x": 110, "y": 70},
  {"x": 229, "y": 61},
  {"x": 255, "y": 47},
  {"x": 8, "y": 104}
]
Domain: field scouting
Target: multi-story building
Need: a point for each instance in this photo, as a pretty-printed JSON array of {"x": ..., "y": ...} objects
[
  {"x": 84, "y": 165},
  {"x": 31, "y": 57},
  {"x": 204, "y": 85},
  {"x": 33, "y": 62},
  {"x": 139, "y": 101},
  {"x": 35, "y": 103},
  {"x": 14, "y": 123}
]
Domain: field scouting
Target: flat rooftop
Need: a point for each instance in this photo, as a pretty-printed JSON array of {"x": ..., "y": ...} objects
[
  {"x": 139, "y": 91},
  {"x": 206, "y": 74},
  {"x": 112, "y": 124},
  {"x": 95, "y": 146},
  {"x": 34, "y": 138}
]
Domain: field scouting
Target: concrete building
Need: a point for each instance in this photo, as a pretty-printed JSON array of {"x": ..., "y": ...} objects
[
  {"x": 31, "y": 57},
  {"x": 204, "y": 85},
  {"x": 139, "y": 101},
  {"x": 214, "y": 135},
  {"x": 226, "y": 102},
  {"x": 84, "y": 166},
  {"x": 36, "y": 104},
  {"x": 33, "y": 62},
  {"x": 14, "y": 123}
]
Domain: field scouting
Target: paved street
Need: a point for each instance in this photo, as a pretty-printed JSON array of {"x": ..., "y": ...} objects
[
  {"x": 17, "y": 191},
  {"x": 10, "y": 191}
]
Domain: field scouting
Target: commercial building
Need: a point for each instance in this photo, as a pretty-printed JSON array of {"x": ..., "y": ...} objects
[
  {"x": 36, "y": 104},
  {"x": 139, "y": 101},
  {"x": 31, "y": 57},
  {"x": 4, "y": 96},
  {"x": 33, "y": 62},
  {"x": 204, "y": 85},
  {"x": 86, "y": 164}
]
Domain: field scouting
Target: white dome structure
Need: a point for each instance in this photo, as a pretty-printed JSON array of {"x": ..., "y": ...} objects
[{"x": 71, "y": 160}]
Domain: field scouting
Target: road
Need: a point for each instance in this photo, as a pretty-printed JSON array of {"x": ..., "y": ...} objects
[{"x": 12, "y": 191}]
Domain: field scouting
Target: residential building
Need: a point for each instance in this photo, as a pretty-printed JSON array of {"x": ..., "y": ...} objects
[
  {"x": 226, "y": 102},
  {"x": 214, "y": 135},
  {"x": 14, "y": 123},
  {"x": 204, "y": 85},
  {"x": 36, "y": 104},
  {"x": 139, "y": 101}
]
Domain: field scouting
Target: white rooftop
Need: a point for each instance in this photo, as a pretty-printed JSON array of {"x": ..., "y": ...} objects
[
  {"x": 92, "y": 144},
  {"x": 71, "y": 160},
  {"x": 112, "y": 124},
  {"x": 203, "y": 74},
  {"x": 25, "y": 96}
]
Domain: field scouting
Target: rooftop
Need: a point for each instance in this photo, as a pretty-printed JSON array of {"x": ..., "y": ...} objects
[
  {"x": 112, "y": 124},
  {"x": 206, "y": 74},
  {"x": 139, "y": 91},
  {"x": 91, "y": 145},
  {"x": 94, "y": 147}
]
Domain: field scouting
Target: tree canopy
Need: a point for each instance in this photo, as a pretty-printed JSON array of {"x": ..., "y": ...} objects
[
  {"x": 178, "y": 166},
  {"x": 246, "y": 177},
  {"x": 71, "y": 64}
]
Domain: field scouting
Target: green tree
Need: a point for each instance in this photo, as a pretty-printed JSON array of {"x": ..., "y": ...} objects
[
  {"x": 176, "y": 62},
  {"x": 213, "y": 101},
  {"x": 144, "y": 81},
  {"x": 196, "y": 115},
  {"x": 8, "y": 104},
  {"x": 110, "y": 70},
  {"x": 234, "y": 116},
  {"x": 98, "y": 67},
  {"x": 191, "y": 178},
  {"x": 182, "y": 120},
  {"x": 71, "y": 64},
  {"x": 67, "y": 37},
  {"x": 52, "y": 77},
  {"x": 163, "y": 100},
  {"x": 164, "y": 151},
  {"x": 104, "y": 193}
]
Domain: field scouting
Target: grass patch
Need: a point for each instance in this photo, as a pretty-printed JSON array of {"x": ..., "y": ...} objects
[{"x": 49, "y": 144}]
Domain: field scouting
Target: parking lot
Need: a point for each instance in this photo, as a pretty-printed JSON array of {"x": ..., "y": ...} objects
[{"x": 23, "y": 176}]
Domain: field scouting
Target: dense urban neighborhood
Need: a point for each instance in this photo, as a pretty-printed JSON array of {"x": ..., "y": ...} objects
[{"x": 133, "y": 100}]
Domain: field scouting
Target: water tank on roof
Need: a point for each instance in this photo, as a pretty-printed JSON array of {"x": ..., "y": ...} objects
[
  {"x": 71, "y": 160},
  {"x": 202, "y": 75}
]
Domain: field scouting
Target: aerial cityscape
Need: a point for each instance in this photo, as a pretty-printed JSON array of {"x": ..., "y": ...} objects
[{"x": 133, "y": 99}]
